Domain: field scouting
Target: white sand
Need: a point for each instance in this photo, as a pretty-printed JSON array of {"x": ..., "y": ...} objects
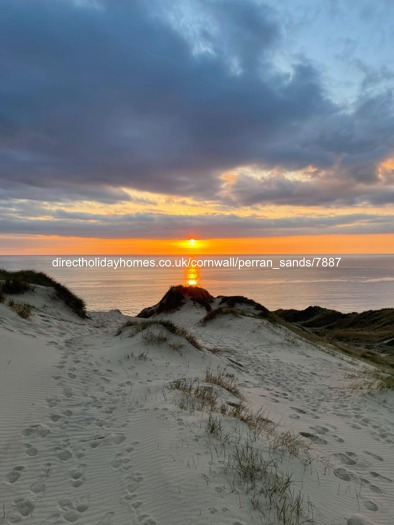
[{"x": 91, "y": 434}]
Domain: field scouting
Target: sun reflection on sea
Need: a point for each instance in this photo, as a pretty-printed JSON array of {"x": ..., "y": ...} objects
[{"x": 192, "y": 276}]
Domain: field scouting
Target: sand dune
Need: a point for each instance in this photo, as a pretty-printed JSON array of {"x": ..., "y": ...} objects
[{"x": 107, "y": 426}]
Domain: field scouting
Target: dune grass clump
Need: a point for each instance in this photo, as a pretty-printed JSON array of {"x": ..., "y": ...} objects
[
  {"x": 21, "y": 281},
  {"x": 140, "y": 326},
  {"x": 24, "y": 310},
  {"x": 271, "y": 491},
  {"x": 2, "y": 298},
  {"x": 226, "y": 381},
  {"x": 195, "y": 395},
  {"x": 218, "y": 312},
  {"x": 152, "y": 338}
]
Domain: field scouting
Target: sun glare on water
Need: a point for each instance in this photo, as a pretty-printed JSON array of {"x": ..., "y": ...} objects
[{"x": 192, "y": 277}]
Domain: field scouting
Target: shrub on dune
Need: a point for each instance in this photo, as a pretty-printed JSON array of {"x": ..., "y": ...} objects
[
  {"x": 15, "y": 287},
  {"x": 20, "y": 282}
]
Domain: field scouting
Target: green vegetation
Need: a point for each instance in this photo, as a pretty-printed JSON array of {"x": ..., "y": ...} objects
[{"x": 20, "y": 282}]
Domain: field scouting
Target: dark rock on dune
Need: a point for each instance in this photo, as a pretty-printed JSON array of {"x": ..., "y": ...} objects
[{"x": 176, "y": 297}]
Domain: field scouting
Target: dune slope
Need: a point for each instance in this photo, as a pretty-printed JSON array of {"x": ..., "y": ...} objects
[{"x": 106, "y": 425}]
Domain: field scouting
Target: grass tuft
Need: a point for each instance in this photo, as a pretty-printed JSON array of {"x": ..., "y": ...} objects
[
  {"x": 140, "y": 326},
  {"x": 24, "y": 310},
  {"x": 270, "y": 490},
  {"x": 226, "y": 381},
  {"x": 214, "y": 426}
]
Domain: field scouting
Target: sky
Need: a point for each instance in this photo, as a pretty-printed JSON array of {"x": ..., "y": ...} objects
[{"x": 253, "y": 126}]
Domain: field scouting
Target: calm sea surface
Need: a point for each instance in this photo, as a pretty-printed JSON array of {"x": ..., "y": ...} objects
[{"x": 358, "y": 283}]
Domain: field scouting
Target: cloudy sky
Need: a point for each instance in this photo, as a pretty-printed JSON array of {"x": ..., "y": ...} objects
[{"x": 166, "y": 119}]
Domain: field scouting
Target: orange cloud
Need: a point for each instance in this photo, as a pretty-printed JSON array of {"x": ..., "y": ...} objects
[{"x": 386, "y": 170}]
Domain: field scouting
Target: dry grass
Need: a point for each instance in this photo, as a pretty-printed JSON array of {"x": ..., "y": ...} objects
[
  {"x": 197, "y": 396},
  {"x": 271, "y": 492},
  {"x": 223, "y": 379},
  {"x": 24, "y": 310}
]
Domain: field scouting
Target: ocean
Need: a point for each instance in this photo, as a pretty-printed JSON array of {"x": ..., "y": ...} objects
[{"x": 346, "y": 283}]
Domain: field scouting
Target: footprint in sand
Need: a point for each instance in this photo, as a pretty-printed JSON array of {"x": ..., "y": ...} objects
[
  {"x": 117, "y": 462},
  {"x": 370, "y": 505},
  {"x": 379, "y": 476},
  {"x": 30, "y": 450},
  {"x": 67, "y": 392},
  {"x": 36, "y": 430},
  {"x": 63, "y": 454},
  {"x": 24, "y": 506},
  {"x": 374, "y": 488},
  {"x": 106, "y": 519},
  {"x": 145, "y": 519},
  {"x": 78, "y": 475},
  {"x": 320, "y": 430},
  {"x": 13, "y": 476},
  {"x": 298, "y": 410},
  {"x": 133, "y": 483},
  {"x": 375, "y": 456},
  {"x": 71, "y": 512},
  {"x": 37, "y": 488},
  {"x": 344, "y": 474},
  {"x": 344, "y": 458},
  {"x": 52, "y": 401},
  {"x": 314, "y": 438}
]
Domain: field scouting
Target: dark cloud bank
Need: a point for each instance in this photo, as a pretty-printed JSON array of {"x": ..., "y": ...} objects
[{"x": 96, "y": 99}]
